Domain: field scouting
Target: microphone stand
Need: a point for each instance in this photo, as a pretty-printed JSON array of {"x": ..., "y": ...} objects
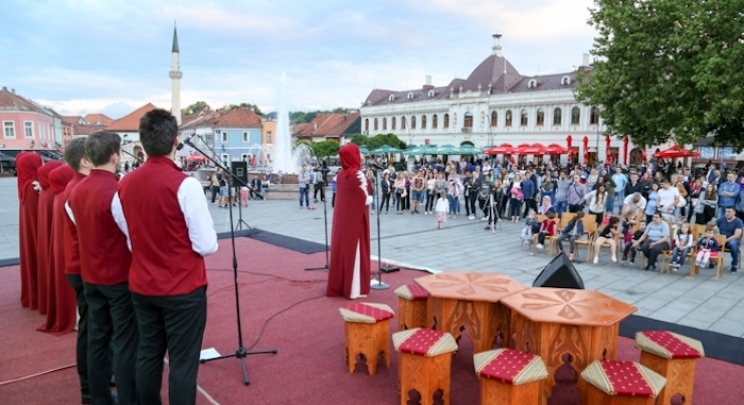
[
  {"x": 378, "y": 284},
  {"x": 241, "y": 353},
  {"x": 325, "y": 216}
]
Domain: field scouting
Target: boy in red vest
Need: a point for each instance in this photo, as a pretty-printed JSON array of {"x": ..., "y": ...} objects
[
  {"x": 105, "y": 260},
  {"x": 171, "y": 231}
]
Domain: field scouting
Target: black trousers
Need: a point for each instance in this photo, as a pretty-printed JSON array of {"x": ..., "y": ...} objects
[
  {"x": 385, "y": 202},
  {"x": 471, "y": 200},
  {"x": 652, "y": 253},
  {"x": 319, "y": 188},
  {"x": 529, "y": 204},
  {"x": 431, "y": 198},
  {"x": 112, "y": 326},
  {"x": 81, "y": 348},
  {"x": 176, "y": 325}
]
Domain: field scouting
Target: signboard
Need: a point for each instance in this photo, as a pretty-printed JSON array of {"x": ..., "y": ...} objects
[
  {"x": 726, "y": 153},
  {"x": 707, "y": 152}
]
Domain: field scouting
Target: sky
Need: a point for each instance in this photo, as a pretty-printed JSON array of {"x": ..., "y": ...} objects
[{"x": 88, "y": 56}]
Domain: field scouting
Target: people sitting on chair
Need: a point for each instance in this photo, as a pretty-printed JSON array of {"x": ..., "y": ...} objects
[
  {"x": 531, "y": 227},
  {"x": 683, "y": 243},
  {"x": 706, "y": 246},
  {"x": 654, "y": 240},
  {"x": 547, "y": 228},
  {"x": 574, "y": 230},
  {"x": 732, "y": 228},
  {"x": 609, "y": 235},
  {"x": 630, "y": 249}
]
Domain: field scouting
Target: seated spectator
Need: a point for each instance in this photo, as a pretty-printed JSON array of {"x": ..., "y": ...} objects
[
  {"x": 574, "y": 230},
  {"x": 731, "y": 227}
]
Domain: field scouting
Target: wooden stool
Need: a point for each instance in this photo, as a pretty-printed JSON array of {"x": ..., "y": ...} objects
[
  {"x": 367, "y": 327},
  {"x": 509, "y": 377},
  {"x": 615, "y": 382},
  {"x": 673, "y": 356},
  {"x": 411, "y": 306},
  {"x": 425, "y": 362}
]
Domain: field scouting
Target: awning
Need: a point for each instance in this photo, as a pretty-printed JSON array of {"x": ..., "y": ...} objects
[
  {"x": 676, "y": 151},
  {"x": 503, "y": 149},
  {"x": 555, "y": 149}
]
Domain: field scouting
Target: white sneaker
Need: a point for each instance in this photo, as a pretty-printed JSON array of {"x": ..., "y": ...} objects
[
  {"x": 614, "y": 258},
  {"x": 596, "y": 260},
  {"x": 540, "y": 246}
]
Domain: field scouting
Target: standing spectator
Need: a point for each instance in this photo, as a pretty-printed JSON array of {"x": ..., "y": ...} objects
[
  {"x": 222, "y": 181},
  {"x": 516, "y": 198},
  {"x": 257, "y": 187},
  {"x": 418, "y": 188},
  {"x": 442, "y": 208},
  {"x": 620, "y": 182},
  {"x": 576, "y": 193},
  {"x": 399, "y": 188},
  {"x": 633, "y": 186},
  {"x": 561, "y": 193},
  {"x": 610, "y": 187},
  {"x": 215, "y": 187},
  {"x": 385, "y": 188},
  {"x": 654, "y": 240},
  {"x": 304, "y": 179},
  {"x": 529, "y": 191},
  {"x": 597, "y": 202},
  {"x": 547, "y": 187},
  {"x": 667, "y": 199},
  {"x": 731, "y": 227}
]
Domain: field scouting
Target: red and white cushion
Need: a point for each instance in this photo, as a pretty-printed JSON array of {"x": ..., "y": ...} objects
[
  {"x": 411, "y": 292},
  {"x": 510, "y": 366},
  {"x": 366, "y": 312},
  {"x": 669, "y": 345},
  {"x": 424, "y": 342},
  {"x": 615, "y": 377}
]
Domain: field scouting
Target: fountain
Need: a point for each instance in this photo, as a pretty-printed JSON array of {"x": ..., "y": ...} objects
[{"x": 283, "y": 146}]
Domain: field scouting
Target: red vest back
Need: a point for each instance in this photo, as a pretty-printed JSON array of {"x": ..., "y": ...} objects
[
  {"x": 104, "y": 256},
  {"x": 72, "y": 252},
  {"x": 163, "y": 262}
]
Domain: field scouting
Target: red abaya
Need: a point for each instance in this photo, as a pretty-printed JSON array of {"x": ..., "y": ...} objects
[
  {"x": 62, "y": 310},
  {"x": 349, "y": 272},
  {"x": 43, "y": 233},
  {"x": 26, "y": 167}
]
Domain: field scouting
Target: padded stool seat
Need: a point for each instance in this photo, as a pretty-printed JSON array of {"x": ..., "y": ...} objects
[
  {"x": 366, "y": 329},
  {"x": 674, "y": 356},
  {"x": 509, "y": 377},
  {"x": 613, "y": 382},
  {"x": 425, "y": 363},
  {"x": 411, "y": 306}
]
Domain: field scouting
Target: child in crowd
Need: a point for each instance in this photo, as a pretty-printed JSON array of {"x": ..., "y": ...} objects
[
  {"x": 529, "y": 226},
  {"x": 608, "y": 235},
  {"x": 629, "y": 244},
  {"x": 547, "y": 228},
  {"x": 574, "y": 230},
  {"x": 244, "y": 196},
  {"x": 706, "y": 247},
  {"x": 682, "y": 244},
  {"x": 442, "y": 208},
  {"x": 606, "y": 218},
  {"x": 629, "y": 221}
]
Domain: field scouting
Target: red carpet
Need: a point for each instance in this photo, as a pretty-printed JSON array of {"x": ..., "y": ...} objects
[{"x": 309, "y": 368}]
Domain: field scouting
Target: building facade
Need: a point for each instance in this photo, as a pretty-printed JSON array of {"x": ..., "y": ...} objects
[
  {"x": 227, "y": 135},
  {"x": 497, "y": 105},
  {"x": 25, "y": 124}
]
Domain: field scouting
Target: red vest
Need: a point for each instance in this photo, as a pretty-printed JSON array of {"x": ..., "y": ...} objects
[
  {"x": 163, "y": 262},
  {"x": 72, "y": 254},
  {"x": 104, "y": 256}
]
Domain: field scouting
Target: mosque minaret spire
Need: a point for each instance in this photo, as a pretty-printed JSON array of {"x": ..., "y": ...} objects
[{"x": 175, "y": 75}]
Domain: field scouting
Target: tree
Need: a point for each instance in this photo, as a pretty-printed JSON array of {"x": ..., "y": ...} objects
[
  {"x": 325, "y": 148},
  {"x": 668, "y": 69},
  {"x": 359, "y": 139},
  {"x": 384, "y": 139},
  {"x": 195, "y": 108},
  {"x": 246, "y": 105}
]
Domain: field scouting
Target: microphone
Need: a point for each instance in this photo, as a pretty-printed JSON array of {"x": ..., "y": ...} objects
[{"x": 185, "y": 142}]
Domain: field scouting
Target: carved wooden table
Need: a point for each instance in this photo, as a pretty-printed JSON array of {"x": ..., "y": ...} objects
[
  {"x": 469, "y": 299},
  {"x": 554, "y": 323}
]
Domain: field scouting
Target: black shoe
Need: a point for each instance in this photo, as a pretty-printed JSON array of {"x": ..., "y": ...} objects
[{"x": 733, "y": 269}]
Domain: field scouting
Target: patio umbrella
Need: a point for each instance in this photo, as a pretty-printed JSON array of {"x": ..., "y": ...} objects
[
  {"x": 384, "y": 150},
  {"x": 555, "y": 149},
  {"x": 608, "y": 149},
  {"x": 522, "y": 148},
  {"x": 503, "y": 149},
  {"x": 469, "y": 150},
  {"x": 676, "y": 151},
  {"x": 448, "y": 150},
  {"x": 625, "y": 149},
  {"x": 427, "y": 150},
  {"x": 534, "y": 149},
  {"x": 195, "y": 157},
  {"x": 364, "y": 150},
  {"x": 414, "y": 150},
  {"x": 586, "y": 150}
]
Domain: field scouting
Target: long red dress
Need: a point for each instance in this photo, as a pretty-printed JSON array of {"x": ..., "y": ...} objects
[
  {"x": 62, "y": 310},
  {"x": 349, "y": 273},
  {"x": 26, "y": 167},
  {"x": 43, "y": 233}
]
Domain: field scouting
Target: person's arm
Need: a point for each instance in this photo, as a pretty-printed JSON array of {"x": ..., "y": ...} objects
[
  {"x": 736, "y": 235},
  {"x": 641, "y": 239},
  {"x": 121, "y": 221},
  {"x": 70, "y": 215},
  {"x": 198, "y": 220}
]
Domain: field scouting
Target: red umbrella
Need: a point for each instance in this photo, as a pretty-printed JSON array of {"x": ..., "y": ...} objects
[
  {"x": 503, "y": 149},
  {"x": 193, "y": 158},
  {"x": 568, "y": 145},
  {"x": 555, "y": 149},
  {"x": 521, "y": 149},
  {"x": 608, "y": 149},
  {"x": 676, "y": 151},
  {"x": 535, "y": 149},
  {"x": 586, "y": 150},
  {"x": 643, "y": 154},
  {"x": 625, "y": 150}
]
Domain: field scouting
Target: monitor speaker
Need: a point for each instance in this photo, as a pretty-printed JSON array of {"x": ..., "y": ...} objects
[
  {"x": 559, "y": 273},
  {"x": 240, "y": 170}
]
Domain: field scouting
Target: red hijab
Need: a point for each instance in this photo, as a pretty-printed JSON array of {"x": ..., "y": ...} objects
[
  {"x": 59, "y": 177},
  {"x": 26, "y": 167},
  {"x": 351, "y": 159},
  {"x": 43, "y": 173}
]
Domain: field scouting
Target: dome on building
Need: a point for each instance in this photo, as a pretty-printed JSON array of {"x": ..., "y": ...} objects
[{"x": 496, "y": 71}]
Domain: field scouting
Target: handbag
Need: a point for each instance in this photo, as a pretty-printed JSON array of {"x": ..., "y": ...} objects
[{"x": 682, "y": 202}]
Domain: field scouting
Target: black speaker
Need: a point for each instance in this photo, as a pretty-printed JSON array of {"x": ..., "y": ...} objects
[
  {"x": 559, "y": 273},
  {"x": 240, "y": 170}
]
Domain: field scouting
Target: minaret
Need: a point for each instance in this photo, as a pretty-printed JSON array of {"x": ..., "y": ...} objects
[{"x": 175, "y": 76}]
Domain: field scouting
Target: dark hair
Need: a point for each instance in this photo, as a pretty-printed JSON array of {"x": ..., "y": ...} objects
[
  {"x": 101, "y": 145},
  {"x": 577, "y": 217},
  {"x": 614, "y": 220},
  {"x": 158, "y": 132},
  {"x": 74, "y": 151},
  {"x": 550, "y": 214}
]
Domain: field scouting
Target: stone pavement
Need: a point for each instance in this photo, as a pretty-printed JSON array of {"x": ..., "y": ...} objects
[{"x": 464, "y": 245}]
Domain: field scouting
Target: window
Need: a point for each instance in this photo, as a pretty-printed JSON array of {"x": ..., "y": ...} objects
[
  {"x": 9, "y": 129},
  {"x": 268, "y": 137},
  {"x": 366, "y": 125},
  {"x": 575, "y": 116},
  {"x": 565, "y": 80},
  {"x": 468, "y": 120},
  {"x": 532, "y": 84},
  {"x": 423, "y": 122},
  {"x": 384, "y": 124},
  {"x": 225, "y": 158},
  {"x": 413, "y": 122},
  {"x": 446, "y": 120},
  {"x": 392, "y": 123},
  {"x": 245, "y": 157},
  {"x": 557, "y": 116},
  {"x": 402, "y": 122},
  {"x": 508, "y": 118},
  {"x": 391, "y": 98},
  {"x": 431, "y": 93},
  {"x": 540, "y": 116},
  {"x": 246, "y": 137},
  {"x": 494, "y": 118},
  {"x": 434, "y": 122},
  {"x": 375, "y": 124},
  {"x": 28, "y": 128},
  {"x": 410, "y": 96},
  {"x": 593, "y": 116},
  {"x": 224, "y": 136},
  {"x": 523, "y": 118}
]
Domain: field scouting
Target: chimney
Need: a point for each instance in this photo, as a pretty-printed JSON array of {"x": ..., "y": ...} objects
[
  {"x": 5, "y": 88},
  {"x": 496, "y": 49},
  {"x": 427, "y": 83},
  {"x": 12, "y": 91},
  {"x": 585, "y": 63}
]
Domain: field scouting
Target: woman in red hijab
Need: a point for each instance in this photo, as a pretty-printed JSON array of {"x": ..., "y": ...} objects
[
  {"x": 349, "y": 272},
  {"x": 61, "y": 311},
  {"x": 26, "y": 167},
  {"x": 43, "y": 233}
]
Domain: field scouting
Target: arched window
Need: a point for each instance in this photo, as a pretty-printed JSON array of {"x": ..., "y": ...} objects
[
  {"x": 423, "y": 122},
  {"x": 508, "y": 118},
  {"x": 366, "y": 124},
  {"x": 434, "y": 122},
  {"x": 593, "y": 116},
  {"x": 375, "y": 124},
  {"x": 431, "y": 93},
  {"x": 413, "y": 122},
  {"x": 384, "y": 124},
  {"x": 446, "y": 120},
  {"x": 557, "y": 116},
  {"x": 468, "y": 120},
  {"x": 540, "y": 117},
  {"x": 494, "y": 118},
  {"x": 402, "y": 122},
  {"x": 565, "y": 81},
  {"x": 392, "y": 123},
  {"x": 410, "y": 96},
  {"x": 532, "y": 84},
  {"x": 391, "y": 98},
  {"x": 523, "y": 118},
  {"x": 575, "y": 116}
]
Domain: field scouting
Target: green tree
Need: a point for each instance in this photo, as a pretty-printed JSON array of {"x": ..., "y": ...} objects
[
  {"x": 668, "y": 69},
  {"x": 384, "y": 139},
  {"x": 325, "y": 148},
  {"x": 195, "y": 108},
  {"x": 359, "y": 139}
]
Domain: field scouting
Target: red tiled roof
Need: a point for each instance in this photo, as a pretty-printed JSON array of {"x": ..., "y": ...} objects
[
  {"x": 93, "y": 119},
  {"x": 86, "y": 129},
  {"x": 328, "y": 125},
  {"x": 239, "y": 118},
  {"x": 130, "y": 123},
  {"x": 298, "y": 128},
  {"x": 71, "y": 119},
  {"x": 11, "y": 101}
]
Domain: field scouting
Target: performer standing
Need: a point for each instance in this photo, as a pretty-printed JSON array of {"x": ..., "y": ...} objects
[
  {"x": 170, "y": 232},
  {"x": 75, "y": 157},
  {"x": 349, "y": 273},
  {"x": 44, "y": 234},
  {"x": 26, "y": 167},
  {"x": 104, "y": 263}
]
